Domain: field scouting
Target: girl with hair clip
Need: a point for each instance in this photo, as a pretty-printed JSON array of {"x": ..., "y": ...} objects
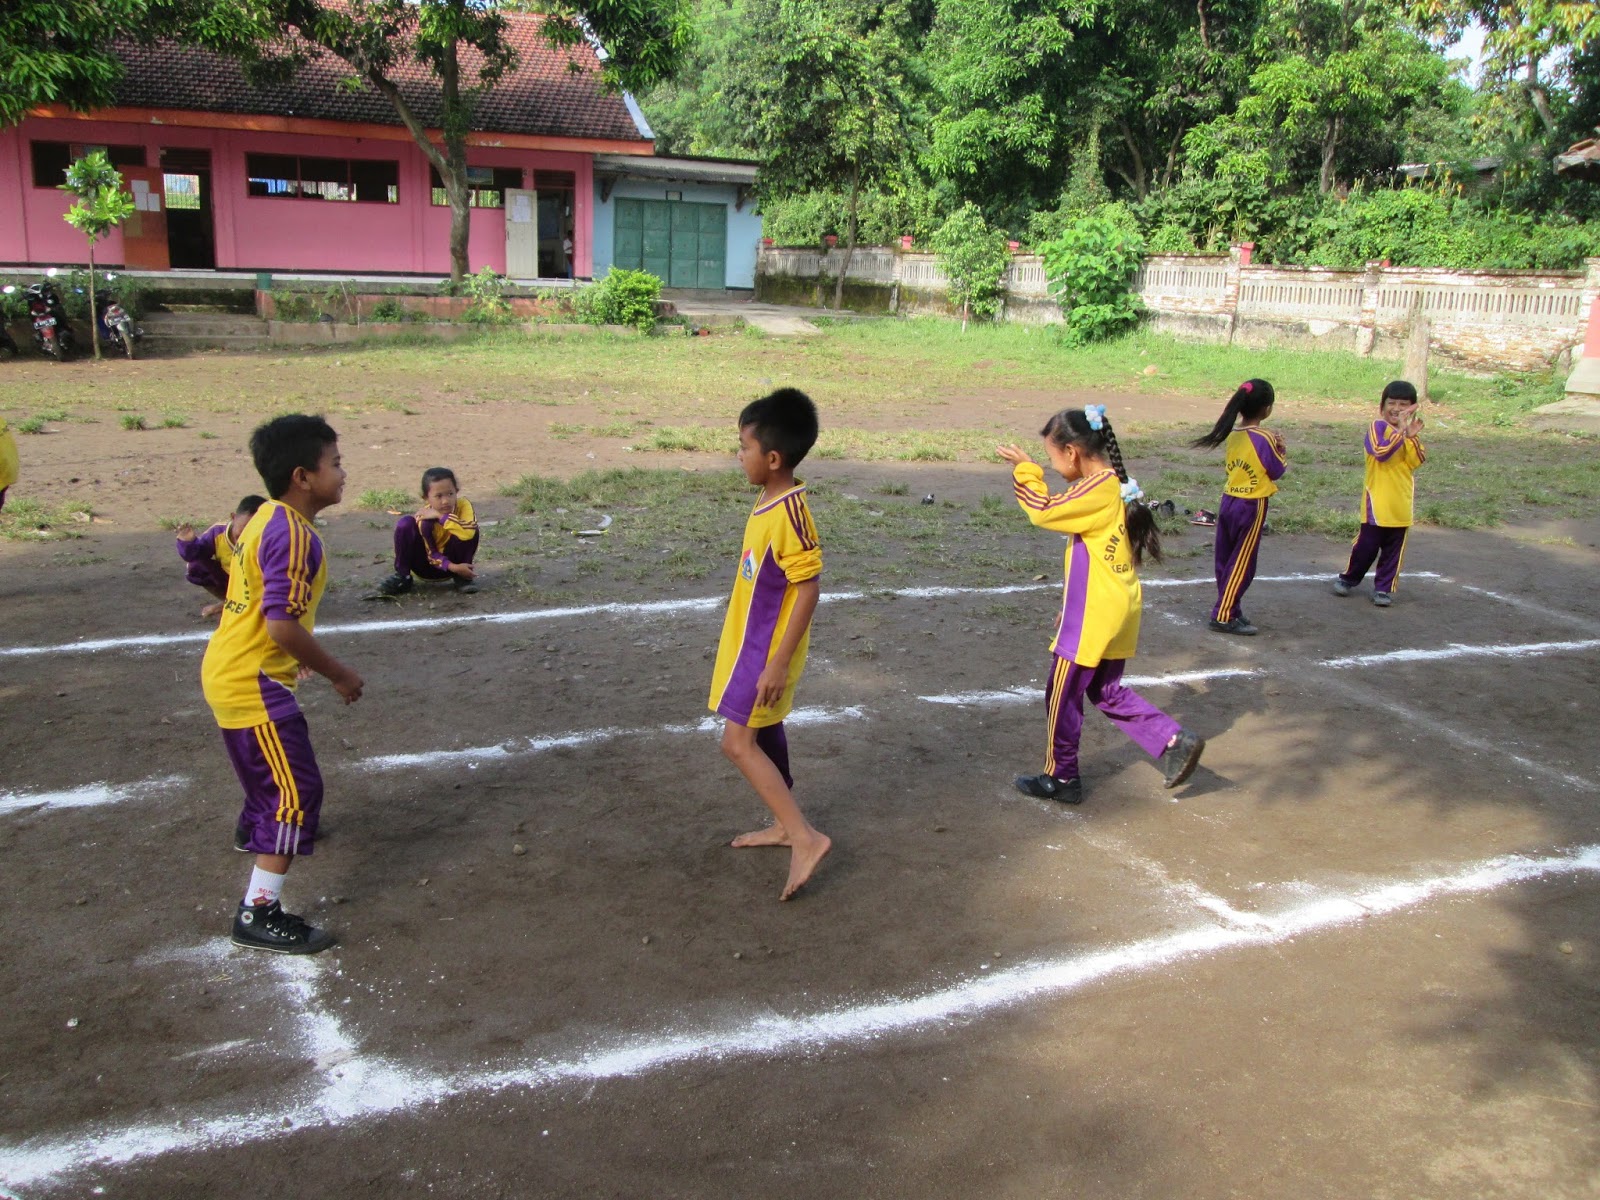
[
  {"x": 1109, "y": 532},
  {"x": 1255, "y": 460}
]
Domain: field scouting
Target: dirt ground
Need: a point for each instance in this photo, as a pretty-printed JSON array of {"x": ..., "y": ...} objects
[{"x": 555, "y": 979}]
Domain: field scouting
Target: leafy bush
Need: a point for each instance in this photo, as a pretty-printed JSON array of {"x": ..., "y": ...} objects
[
  {"x": 974, "y": 257},
  {"x": 488, "y": 305},
  {"x": 1090, "y": 270},
  {"x": 293, "y": 306},
  {"x": 392, "y": 311},
  {"x": 620, "y": 297},
  {"x": 881, "y": 217}
]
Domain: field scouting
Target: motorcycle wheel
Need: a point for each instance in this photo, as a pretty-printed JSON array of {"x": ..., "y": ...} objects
[
  {"x": 52, "y": 347},
  {"x": 125, "y": 336}
]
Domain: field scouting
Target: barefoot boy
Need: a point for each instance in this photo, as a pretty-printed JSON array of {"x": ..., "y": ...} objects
[
  {"x": 253, "y": 661},
  {"x": 768, "y": 626}
]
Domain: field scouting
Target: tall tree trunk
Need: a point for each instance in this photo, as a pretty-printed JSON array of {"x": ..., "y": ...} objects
[
  {"x": 1538, "y": 95},
  {"x": 850, "y": 235},
  {"x": 94, "y": 319},
  {"x": 1205, "y": 33},
  {"x": 1171, "y": 168},
  {"x": 1330, "y": 149},
  {"x": 1139, "y": 179}
]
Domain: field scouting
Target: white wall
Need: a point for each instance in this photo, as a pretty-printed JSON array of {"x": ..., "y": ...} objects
[{"x": 744, "y": 225}]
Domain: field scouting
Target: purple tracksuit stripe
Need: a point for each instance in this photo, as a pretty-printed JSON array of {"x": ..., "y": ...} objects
[
  {"x": 414, "y": 555},
  {"x": 761, "y": 622},
  {"x": 1384, "y": 543},
  {"x": 1070, "y": 682},
  {"x": 774, "y": 743},
  {"x": 1069, "y": 631},
  {"x": 271, "y": 760},
  {"x": 1239, "y": 525}
]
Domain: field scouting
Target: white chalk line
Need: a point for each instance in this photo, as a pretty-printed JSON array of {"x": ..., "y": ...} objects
[
  {"x": 90, "y": 795},
  {"x": 351, "y": 1087},
  {"x": 523, "y": 746},
  {"x": 1031, "y": 694},
  {"x": 156, "y": 641},
  {"x": 1553, "y": 614},
  {"x": 1461, "y": 650}
]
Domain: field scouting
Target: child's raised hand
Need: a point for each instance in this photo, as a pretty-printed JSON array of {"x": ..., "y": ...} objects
[
  {"x": 1281, "y": 446},
  {"x": 185, "y": 532},
  {"x": 1013, "y": 454}
]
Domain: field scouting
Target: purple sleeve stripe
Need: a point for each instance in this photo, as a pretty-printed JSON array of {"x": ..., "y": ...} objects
[
  {"x": 1029, "y": 498},
  {"x": 1078, "y": 491},
  {"x": 794, "y": 508},
  {"x": 1382, "y": 441}
]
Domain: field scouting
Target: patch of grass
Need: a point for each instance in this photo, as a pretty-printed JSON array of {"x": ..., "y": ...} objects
[
  {"x": 170, "y": 523},
  {"x": 56, "y": 415},
  {"x": 26, "y": 519},
  {"x": 31, "y": 425},
  {"x": 174, "y": 420},
  {"x": 892, "y": 489},
  {"x": 384, "y": 499},
  {"x": 208, "y": 435},
  {"x": 133, "y": 421}
]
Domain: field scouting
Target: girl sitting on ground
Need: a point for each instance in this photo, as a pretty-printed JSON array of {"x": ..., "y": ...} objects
[{"x": 438, "y": 542}]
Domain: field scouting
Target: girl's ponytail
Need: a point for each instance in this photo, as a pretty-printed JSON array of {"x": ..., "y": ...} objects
[
  {"x": 1252, "y": 398},
  {"x": 1144, "y": 538}
]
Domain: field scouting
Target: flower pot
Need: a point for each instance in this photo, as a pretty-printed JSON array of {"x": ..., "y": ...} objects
[
  {"x": 905, "y": 241},
  {"x": 830, "y": 240},
  {"x": 766, "y": 242},
  {"x": 1013, "y": 246}
]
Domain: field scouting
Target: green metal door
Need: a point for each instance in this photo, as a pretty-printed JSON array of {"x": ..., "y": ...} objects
[
  {"x": 713, "y": 261},
  {"x": 684, "y": 245}
]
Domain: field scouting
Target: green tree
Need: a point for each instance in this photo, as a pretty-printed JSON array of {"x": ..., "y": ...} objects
[
  {"x": 974, "y": 258},
  {"x": 1089, "y": 269},
  {"x": 101, "y": 206},
  {"x": 689, "y": 112},
  {"x": 827, "y": 98},
  {"x": 59, "y": 51},
  {"x": 462, "y": 45}
]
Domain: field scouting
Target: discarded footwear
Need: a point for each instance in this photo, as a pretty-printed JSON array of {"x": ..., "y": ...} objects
[
  {"x": 1238, "y": 626},
  {"x": 394, "y": 585},
  {"x": 268, "y": 927},
  {"x": 1382, "y": 599},
  {"x": 1340, "y": 587},
  {"x": 1203, "y": 517},
  {"x": 1048, "y": 787},
  {"x": 1179, "y": 760}
]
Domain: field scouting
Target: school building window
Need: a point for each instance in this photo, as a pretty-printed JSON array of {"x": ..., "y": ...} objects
[
  {"x": 488, "y": 186},
  {"x": 362, "y": 180},
  {"x": 51, "y": 159}
]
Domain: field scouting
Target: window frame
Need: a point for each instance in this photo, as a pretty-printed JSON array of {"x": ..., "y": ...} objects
[{"x": 325, "y": 179}]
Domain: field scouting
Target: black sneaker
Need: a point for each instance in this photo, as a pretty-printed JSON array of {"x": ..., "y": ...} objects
[
  {"x": 241, "y": 838},
  {"x": 268, "y": 927},
  {"x": 394, "y": 585},
  {"x": 1179, "y": 760},
  {"x": 1340, "y": 587},
  {"x": 465, "y": 586},
  {"x": 1238, "y": 625},
  {"x": 1382, "y": 599},
  {"x": 1048, "y": 787}
]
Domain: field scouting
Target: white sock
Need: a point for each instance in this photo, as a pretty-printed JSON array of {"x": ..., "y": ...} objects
[{"x": 265, "y": 887}]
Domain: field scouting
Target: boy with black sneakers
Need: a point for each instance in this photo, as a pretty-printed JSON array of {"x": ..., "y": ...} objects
[
  {"x": 1394, "y": 452},
  {"x": 253, "y": 663}
]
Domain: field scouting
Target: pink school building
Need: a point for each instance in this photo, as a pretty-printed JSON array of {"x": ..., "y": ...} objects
[{"x": 307, "y": 177}]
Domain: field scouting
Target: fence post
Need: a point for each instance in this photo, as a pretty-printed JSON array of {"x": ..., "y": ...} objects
[
  {"x": 1367, "y": 322},
  {"x": 1584, "y": 382},
  {"x": 1238, "y": 257}
]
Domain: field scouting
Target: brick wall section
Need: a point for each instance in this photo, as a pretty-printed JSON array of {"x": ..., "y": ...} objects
[{"x": 1497, "y": 320}]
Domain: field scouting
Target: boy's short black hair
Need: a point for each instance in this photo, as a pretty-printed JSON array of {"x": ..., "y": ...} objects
[
  {"x": 284, "y": 443},
  {"x": 249, "y": 505},
  {"x": 432, "y": 476},
  {"x": 785, "y": 421},
  {"x": 1399, "y": 390}
]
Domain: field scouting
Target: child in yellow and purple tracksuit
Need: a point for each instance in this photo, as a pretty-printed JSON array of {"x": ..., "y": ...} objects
[{"x": 1394, "y": 452}]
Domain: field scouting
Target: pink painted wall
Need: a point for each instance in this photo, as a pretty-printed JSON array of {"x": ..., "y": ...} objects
[{"x": 273, "y": 233}]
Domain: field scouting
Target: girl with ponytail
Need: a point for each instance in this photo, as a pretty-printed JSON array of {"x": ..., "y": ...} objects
[
  {"x": 1255, "y": 459},
  {"x": 1109, "y": 532}
]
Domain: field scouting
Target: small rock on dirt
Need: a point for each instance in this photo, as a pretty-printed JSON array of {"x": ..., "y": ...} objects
[{"x": 519, "y": 849}]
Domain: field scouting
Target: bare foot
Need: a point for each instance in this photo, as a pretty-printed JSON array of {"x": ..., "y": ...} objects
[
  {"x": 772, "y": 835},
  {"x": 803, "y": 861},
  {"x": 211, "y": 610}
]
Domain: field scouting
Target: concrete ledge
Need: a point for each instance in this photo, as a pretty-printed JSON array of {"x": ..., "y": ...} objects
[
  {"x": 326, "y": 333},
  {"x": 1575, "y": 414}
]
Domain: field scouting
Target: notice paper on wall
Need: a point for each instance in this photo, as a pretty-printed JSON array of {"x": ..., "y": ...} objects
[
  {"x": 521, "y": 210},
  {"x": 144, "y": 200}
]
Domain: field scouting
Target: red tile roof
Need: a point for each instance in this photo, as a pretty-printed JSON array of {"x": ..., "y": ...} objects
[{"x": 552, "y": 92}]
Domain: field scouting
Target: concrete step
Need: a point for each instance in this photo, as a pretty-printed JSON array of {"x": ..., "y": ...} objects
[{"x": 187, "y": 330}]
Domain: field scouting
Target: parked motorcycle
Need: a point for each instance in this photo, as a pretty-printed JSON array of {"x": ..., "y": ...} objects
[
  {"x": 117, "y": 329},
  {"x": 52, "y": 331}
]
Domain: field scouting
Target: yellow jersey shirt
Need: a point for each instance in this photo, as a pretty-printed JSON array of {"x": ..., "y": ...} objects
[
  {"x": 780, "y": 550},
  {"x": 1390, "y": 486},
  {"x": 461, "y": 525},
  {"x": 1253, "y": 464},
  {"x": 276, "y": 573},
  {"x": 8, "y": 456},
  {"x": 1101, "y": 600}
]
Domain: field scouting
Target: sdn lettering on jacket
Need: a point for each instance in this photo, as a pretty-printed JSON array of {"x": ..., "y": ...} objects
[{"x": 1113, "y": 545}]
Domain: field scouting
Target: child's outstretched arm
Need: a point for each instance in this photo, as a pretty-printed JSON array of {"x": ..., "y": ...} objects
[
  {"x": 1072, "y": 511},
  {"x": 295, "y": 639},
  {"x": 1383, "y": 439}
]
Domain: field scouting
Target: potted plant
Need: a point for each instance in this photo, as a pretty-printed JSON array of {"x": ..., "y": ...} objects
[
  {"x": 830, "y": 240},
  {"x": 905, "y": 241},
  {"x": 1013, "y": 246}
]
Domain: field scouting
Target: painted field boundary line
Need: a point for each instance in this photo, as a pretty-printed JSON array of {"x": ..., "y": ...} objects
[
  {"x": 646, "y": 608},
  {"x": 351, "y": 1088}
]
